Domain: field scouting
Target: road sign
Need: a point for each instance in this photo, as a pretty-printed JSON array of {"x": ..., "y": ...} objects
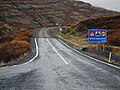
[{"x": 95, "y": 35}]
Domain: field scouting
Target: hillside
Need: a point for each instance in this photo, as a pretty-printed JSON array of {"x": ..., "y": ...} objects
[
  {"x": 112, "y": 24},
  {"x": 77, "y": 35},
  {"x": 48, "y": 12},
  {"x": 19, "y": 17}
]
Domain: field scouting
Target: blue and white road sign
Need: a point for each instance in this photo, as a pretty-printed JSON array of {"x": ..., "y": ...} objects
[{"x": 95, "y": 35}]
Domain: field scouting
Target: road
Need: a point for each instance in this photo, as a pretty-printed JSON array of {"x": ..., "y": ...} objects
[{"x": 58, "y": 67}]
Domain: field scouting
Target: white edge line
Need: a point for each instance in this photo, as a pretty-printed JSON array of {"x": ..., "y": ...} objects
[
  {"x": 57, "y": 52},
  {"x": 36, "y": 55},
  {"x": 36, "y": 45},
  {"x": 89, "y": 56}
]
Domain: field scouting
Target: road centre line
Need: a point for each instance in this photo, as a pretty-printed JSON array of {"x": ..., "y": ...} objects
[{"x": 57, "y": 52}]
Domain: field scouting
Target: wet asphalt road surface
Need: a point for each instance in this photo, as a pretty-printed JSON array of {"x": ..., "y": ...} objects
[{"x": 57, "y": 67}]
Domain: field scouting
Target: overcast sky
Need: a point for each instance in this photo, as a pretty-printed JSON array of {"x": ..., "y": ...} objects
[{"x": 108, "y": 4}]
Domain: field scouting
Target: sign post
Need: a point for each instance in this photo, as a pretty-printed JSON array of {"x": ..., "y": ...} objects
[
  {"x": 97, "y": 47},
  {"x": 103, "y": 46},
  {"x": 90, "y": 46},
  {"x": 97, "y": 36}
]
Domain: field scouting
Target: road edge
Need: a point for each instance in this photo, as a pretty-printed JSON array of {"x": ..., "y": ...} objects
[
  {"x": 89, "y": 56},
  {"x": 36, "y": 55}
]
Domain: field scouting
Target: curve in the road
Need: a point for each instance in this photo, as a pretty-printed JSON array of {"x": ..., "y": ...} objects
[{"x": 49, "y": 72}]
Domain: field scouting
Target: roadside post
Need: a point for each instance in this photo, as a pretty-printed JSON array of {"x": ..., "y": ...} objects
[
  {"x": 110, "y": 56},
  {"x": 60, "y": 32},
  {"x": 97, "y": 36},
  {"x": 57, "y": 24}
]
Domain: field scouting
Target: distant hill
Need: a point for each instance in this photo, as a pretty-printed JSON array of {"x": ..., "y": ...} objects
[{"x": 42, "y": 13}]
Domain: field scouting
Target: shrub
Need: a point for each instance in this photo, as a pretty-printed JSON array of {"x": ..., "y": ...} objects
[
  {"x": 114, "y": 38},
  {"x": 13, "y": 50},
  {"x": 6, "y": 38},
  {"x": 23, "y": 35}
]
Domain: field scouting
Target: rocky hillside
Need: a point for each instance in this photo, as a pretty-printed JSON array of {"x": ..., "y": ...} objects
[{"x": 48, "y": 12}]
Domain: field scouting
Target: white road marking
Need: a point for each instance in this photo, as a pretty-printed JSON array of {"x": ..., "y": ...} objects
[
  {"x": 57, "y": 52},
  {"x": 89, "y": 56},
  {"x": 36, "y": 55}
]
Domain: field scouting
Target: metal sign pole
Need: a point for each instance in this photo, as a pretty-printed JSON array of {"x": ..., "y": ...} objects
[
  {"x": 103, "y": 46},
  {"x": 90, "y": 46},
  {"x": 97, "y": 46}
]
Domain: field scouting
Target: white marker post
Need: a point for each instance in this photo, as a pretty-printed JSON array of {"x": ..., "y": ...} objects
[
  {"x": 110, "y": 56},
  {"x": 61, "y": 32}
]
